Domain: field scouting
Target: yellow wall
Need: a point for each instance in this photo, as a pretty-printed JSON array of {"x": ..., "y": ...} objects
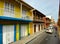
[
  {"x": 17, "y": 10},
  {"x": 1, "y": 7},
  {"x": 17, "y": 32},
  {"x": 31, "y": 30},
  {"x": 28, "y": 13}
]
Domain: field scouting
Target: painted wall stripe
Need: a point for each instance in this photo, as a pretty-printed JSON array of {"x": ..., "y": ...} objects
[
  {"x": 28, "y": 29},
  {"x": 19, "y": 31},
  {"x": 1, "y": 35},
  {"x": 14, "y": 33}
]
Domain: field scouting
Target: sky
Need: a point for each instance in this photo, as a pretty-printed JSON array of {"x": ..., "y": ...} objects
[{"x": 47, "y": 7}]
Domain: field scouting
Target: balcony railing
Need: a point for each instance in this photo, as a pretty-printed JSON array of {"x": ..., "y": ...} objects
[
  {"x": 2, "y": 11},
  {"x": 27, "y": 17},
  {"x": 48, "y": 21},
  {"x": 38, "y": 19}
]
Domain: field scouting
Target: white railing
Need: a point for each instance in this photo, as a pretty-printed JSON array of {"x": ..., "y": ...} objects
[
  {"x": 2, "y": 10},
  {"x": 28, "y": 18}
]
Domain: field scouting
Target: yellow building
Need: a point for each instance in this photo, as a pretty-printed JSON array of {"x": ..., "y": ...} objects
[{"x": 15, "y": 20}]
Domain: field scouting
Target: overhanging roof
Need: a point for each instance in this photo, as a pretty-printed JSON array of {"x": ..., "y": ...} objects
[
  {"x": 39, "y": 13},
  {"x": 27, "y": 5}
]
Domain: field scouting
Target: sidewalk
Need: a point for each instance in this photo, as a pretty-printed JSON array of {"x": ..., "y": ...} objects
[{"x": 32, "y": 39}]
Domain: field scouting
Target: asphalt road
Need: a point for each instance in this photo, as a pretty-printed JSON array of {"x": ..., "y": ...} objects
[{"x": 51, "y": 39}]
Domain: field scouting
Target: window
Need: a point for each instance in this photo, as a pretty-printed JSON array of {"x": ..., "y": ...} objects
[
  {"x": 6, "y": 6},
  {"x": 9, "y": 9},
  {"x": 24, "y": 13}
]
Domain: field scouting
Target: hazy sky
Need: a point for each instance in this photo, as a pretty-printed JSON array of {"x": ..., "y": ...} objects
[{"x": 47, "y": 7}]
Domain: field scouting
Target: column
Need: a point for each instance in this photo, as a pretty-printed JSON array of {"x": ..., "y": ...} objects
[{"x": 17, "y": 32}]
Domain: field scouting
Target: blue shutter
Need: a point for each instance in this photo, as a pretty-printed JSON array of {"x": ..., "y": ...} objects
[
  {"x": 14, "y": 32},
  {"x": 1, "y": 35}
]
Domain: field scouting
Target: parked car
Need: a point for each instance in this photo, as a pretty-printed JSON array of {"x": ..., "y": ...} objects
[{"x": 49, "y": 30}]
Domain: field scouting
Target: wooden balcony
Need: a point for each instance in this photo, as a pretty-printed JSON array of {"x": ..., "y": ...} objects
[
  {"x": 48, "y": 22},
  {"x": 38, "y": 19},
  {"x": 38, "y": 16}
]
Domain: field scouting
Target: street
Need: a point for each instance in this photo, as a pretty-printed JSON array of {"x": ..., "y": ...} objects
[
  {"x": 43, "y": 38},
  {"x": 51, "y": 39}
]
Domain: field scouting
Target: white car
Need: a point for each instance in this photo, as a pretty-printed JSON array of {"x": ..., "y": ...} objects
[{"x": 49, "y": 31}]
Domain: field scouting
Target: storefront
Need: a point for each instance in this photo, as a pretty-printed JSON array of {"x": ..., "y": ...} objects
[
  {"x": 24, "y": 29},
  {"x": 7, "y": 34}
]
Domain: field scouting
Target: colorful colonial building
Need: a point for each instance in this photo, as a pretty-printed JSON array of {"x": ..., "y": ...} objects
[
  {"x": 47, "y": 22},
  {"x": 15, "y": 18},
  {"x": 18, "y": 20},
  {"x": 38, "y": 22}
]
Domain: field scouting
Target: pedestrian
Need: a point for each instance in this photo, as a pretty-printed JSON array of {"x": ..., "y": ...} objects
[{"x": 55, "y": 31}]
